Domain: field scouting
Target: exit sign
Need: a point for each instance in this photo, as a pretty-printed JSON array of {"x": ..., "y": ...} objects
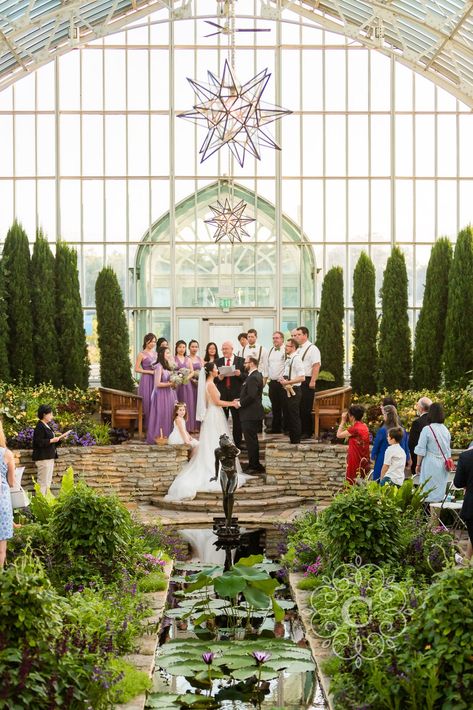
[{"x": 225, "y": 302}]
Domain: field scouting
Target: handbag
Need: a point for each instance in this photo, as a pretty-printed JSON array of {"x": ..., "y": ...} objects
[
  {"x": 448, "y": 463},
  {"x": 19, "y": 498}
]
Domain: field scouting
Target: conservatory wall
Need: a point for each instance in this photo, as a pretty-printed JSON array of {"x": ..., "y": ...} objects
[{"x": 372, "y": 154}]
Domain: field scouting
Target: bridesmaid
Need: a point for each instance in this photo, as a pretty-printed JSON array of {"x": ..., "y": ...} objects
[
  {"x": 163, "y": 398},
  {"x": 197, "y": 365},
  {"x": 185, "y": 393},
  {"x": 211, "y": 353},
  {"x": 162, "y": 342},
  {"x": 145, "y": 363}
]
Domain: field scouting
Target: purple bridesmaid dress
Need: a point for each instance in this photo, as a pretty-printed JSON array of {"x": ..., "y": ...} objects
[
  {"x": 163, "y": 400},
  {"x": 196, "y": 366},
  {"x": 185, "y": 393},
  {"x": 146, "y": 386}
]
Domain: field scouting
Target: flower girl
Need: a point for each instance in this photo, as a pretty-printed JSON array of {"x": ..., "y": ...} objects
[{"x": 179, "y": 434}]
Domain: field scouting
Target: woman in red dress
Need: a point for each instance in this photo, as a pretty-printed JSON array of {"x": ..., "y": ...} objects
[{"x": 358, "y": 435}]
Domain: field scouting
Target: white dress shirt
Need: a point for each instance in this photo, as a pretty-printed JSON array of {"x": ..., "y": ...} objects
[
  {"x": 276, "y": 362},
  {"x": 294, "y": 367},
  {"x": 310, "y": 355},
  {"x": 260, "y": 353}
]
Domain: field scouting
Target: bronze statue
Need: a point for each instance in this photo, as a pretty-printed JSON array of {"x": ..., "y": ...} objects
[{"x": 225, "y": 458}]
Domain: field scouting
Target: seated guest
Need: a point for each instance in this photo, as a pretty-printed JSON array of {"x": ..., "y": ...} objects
[
  {"x": 394, "y": 464},
  {"x": 380, "y": 444},
  {"x": 422, "y": 408},
  {"x": 464, "y": 479},
  {"x": 358, "y": 435},
  {"x": 432, "y": 450}
]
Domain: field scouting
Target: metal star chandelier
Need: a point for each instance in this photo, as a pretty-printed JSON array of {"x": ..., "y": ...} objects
[
  {"x": 234, "y": 114},
  {"x": 229, "y": 220}
]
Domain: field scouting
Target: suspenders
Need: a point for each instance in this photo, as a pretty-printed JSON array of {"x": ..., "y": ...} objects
[{"x": 259, "y": 355}]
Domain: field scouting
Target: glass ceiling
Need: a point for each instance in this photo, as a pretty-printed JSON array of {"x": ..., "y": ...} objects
[{"x": 433, "y": 37}]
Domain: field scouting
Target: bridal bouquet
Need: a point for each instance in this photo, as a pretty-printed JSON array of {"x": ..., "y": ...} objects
[{"x": 186, "y": 374}]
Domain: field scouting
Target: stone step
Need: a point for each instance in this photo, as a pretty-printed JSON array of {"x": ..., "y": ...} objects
[
  {"x": 257, "y": 491},
  {"x": 241, "y": 505}
]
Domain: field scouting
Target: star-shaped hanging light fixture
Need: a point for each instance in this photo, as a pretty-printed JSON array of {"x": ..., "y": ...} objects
[
  {"x": 234, "y": 114},
  {"x": 229, "y": 220}
]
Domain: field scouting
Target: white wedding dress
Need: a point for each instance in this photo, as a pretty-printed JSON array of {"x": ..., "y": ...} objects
[{"x": 195, "y": 475}]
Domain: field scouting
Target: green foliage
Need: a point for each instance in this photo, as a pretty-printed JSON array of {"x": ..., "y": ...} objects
[
  {"x": 72, "y": 345},
  {"x": 4, "y": 364},
  {"x": 362, "y": 521},
  {"x": 43, "y": 309},
  {"x": 394, "y": 348},
  {"x": 430, "y": 328},
  {"x": 92, "y": 534},
  {"x": 458, "y": 405},
  {"x": 153, "y": 582},
  {"x": 363, "y": 371},
  {"x": 330, "y": 325},
  {"x": 458, "y": 350},
  {"x": 42, "y": 505},
  {"x": 17, "y": 274},
  {"x": 132, "y": 681},
  {"x": 112, "y": 330}
]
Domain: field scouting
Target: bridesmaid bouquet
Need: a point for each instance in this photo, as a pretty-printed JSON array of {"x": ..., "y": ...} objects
[{"x": 181, "y": 376}]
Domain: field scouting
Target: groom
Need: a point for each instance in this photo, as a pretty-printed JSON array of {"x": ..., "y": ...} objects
[
  {"x": 252, "y": 413},
  {"x": 230, "y": 387}
]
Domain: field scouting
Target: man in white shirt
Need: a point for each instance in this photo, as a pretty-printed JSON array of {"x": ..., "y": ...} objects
[
  {"x": 294, "y": 376},
  {"x": 256, "y": 351},
  {"x": 243, "y": 340},
  {"x": 276, "y": 362},
  {"x": 394, "y": 459},
  {"x": 310, "y": 356}
]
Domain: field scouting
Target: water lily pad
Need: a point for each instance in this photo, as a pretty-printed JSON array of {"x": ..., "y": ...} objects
[
  {"x": 257, "y": 598},
  {"x": 244, "y": 673},
  {"x": 229, "y": 585},
  {"x": 249, "y": 561}
]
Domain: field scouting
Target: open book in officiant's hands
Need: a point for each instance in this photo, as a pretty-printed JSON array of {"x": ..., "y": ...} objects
[{"x": 226, "y": 370}]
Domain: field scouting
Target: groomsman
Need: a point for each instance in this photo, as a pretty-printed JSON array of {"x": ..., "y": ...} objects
[
  {"x": 276, "y": 361},
  {"x": 230, "y": 386},
  {"x": 243, "y": 340},
  {"x": 256, "y": 351},
  {"x": 252, "y": 413},
  {"x": 310, "y": 356},
  {"x": 294, "y": 376}
]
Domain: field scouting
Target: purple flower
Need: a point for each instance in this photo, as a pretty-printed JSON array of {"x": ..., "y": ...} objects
[
  {"x": 261, "y": 657},
  {"x": 314, "y": 568},
  {"x": 208, "y": 657}
]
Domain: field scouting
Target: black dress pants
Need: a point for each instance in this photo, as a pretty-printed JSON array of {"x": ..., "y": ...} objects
[
  {"x": 236, "y": 425},
  {"x": 250, "y": 432},
  {"x": 277, "y": 396},
  {"x": 307, "y": 401},
  {"x": 292, "y": 415}
]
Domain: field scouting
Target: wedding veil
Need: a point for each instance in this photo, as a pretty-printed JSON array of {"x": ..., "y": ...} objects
[{"x": 201, "y": 406}]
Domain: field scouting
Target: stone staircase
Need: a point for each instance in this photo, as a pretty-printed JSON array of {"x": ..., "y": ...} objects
[{"x": 255, "y": 496}]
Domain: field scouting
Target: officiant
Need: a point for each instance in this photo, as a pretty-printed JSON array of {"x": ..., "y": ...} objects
[
  {"x": 230, "y": 384},
  {"x": 252, "y": 413}
]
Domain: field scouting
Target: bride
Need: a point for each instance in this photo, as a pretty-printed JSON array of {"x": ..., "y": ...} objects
[{"x": 195, "y": 475}]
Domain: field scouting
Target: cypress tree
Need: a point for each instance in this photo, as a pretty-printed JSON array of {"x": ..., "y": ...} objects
[
  {"x": 4, "y": 364},
  {"x": 17, "y": 272},
  {"x": 458, "y": 350},
  {"x": 363, "y": 371},
  {"x": 394, "y": 333},
  {"x": 72, "y": 346},
  {"x": 43, "y": 307},
  {"x": 430, "y": 328},
  {"x": 112, "y": 330},
  {"x": 330, "y": 326}
]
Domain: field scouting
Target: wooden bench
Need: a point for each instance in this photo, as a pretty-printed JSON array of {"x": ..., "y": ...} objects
[
  {"x": 328, "y": 406},
  {"x": 123, "y": 409}
]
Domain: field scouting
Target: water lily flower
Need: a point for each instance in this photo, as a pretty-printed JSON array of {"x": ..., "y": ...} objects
[
  {"x": 261, "y": 656},
  {"x": 208, "y": 657}
]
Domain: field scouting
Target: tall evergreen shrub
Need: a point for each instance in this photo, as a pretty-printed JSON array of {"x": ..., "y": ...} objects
[
  {"x": 43, "y": 307},
  {"x": 112, "y": 330},
  {"x": 363, "y": 371},
  {"x": 4, "y": 364},
  {"x": 394, "y": 350},
  {"x": 430, "y": 329},
  {"x": 17, "y": 274},
  {"x": 72, "y": 345},
  {"x": 458, "y": 350},
  {"x": 330, "y": 326}
]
